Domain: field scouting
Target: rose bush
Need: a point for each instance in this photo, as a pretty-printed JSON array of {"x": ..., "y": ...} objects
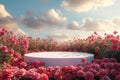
[
  {"x": 96, "y": 70},
  {"x": 105, "y": 66}
]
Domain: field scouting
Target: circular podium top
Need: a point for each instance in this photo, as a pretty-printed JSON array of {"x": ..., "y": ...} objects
[
  {"x": 58, "y": 55},
  {"x": 58, "y": 58}
]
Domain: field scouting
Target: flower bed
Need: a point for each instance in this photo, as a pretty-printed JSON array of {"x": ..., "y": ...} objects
[
  {"x": 104, "y": 69},
  {"x": 105, "y": 66}
]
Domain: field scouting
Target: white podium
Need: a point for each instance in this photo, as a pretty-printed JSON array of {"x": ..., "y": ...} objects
[{"x": 58, "y": 58}]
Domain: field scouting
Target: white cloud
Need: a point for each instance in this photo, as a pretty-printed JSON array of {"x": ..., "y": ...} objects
[
  {"x": 8, "y": 22},
  {"x": 46, "y": 19},
  {"x": 85, "y": 5},
  {"x": 73, "y": 25},
  {"x": 3, "y": 12},
  {"x": 53, "y": 18},
  {"x": 99, "y": 25},
  {"x": 59, "y": 36},
  {"x": 66, "y": 35},
  {"x": 86, "y": 28},
  {"x": 20, "y": 32},
  {"x": 116, "y": 21},
  {"x": 31, "y": 21}
]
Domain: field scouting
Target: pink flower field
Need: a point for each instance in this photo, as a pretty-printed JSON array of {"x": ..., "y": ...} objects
[{"x": 105, "y": 66}]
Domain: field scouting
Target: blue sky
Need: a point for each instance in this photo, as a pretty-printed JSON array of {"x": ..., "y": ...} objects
[{"x": 60, "y": 19}]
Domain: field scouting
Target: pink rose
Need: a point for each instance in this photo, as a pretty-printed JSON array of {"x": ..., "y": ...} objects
[
  {"x": 7, "y": 78},
  {"x": 11, "y": 52},
  {"x": 2, "y": 33},
  {"x": 42, "y": 70},
  {"x": 20, "y": 72},
  {"x": 109, "y": 65},
  {"x": 35, "y": 64},
  {"x": 57, "y": 75},
  {"x": 44, "y": 76},
  {"x": 102, "y": 65},
  {"x": 117, "y": 65},
  {"x": 14, "y": 69},
  {"x": 95, "y": 66},
  {"x": 97, "y": 48},
  {"x": 87, "y": 67},
  {"x": 17, "y": 55},
  {"x": 114, "y": 72},
  {"x": 50, "y": 69},
  {"x": 7, "y": 73},
  {"x": 57, "y": 68},
  {"x": 25, "y": 42},
  {"x": 105, "y": 78},
  {"x": 103, "y": 72},
  {"x": 83, "y": 60},
  {"x": 68, "y": 76},
  {"x": 93, "y": 71},
  {"x": 71, "y": 68},
  {"x": 89, "y": 75},
  {"x": 33, "y": 75},
  {"x": 105, "y": 60},
  {"x": 115, "y": 32},
  {"x": 80, "y": 73},
  {"x": 4, "y": 49},
  {"x": 114, "y": 46},
  {"x": 23, "y": 64},
  {"x": 33, "y": 70},
  {"x": 117, "y": 77},
  {"x": 113, "y": 60}
]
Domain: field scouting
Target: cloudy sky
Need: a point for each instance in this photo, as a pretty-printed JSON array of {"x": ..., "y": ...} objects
[{"x": 60, "y": 19}]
